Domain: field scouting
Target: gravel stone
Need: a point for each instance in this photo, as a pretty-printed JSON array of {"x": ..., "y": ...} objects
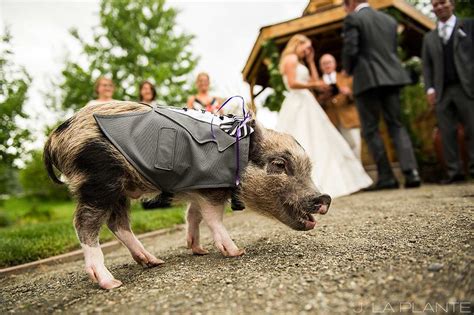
[
  {"x": 435, "y": 267},
  {"x": 371, "y": 250}
]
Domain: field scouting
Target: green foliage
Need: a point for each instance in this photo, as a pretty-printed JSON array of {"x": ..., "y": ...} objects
[
  {"x": 14, "y": 82},
  {"x": 4, "y": 220},
  {"x": 27, "y": 210},
  {"x": 36, "y": 183},
  {"x": 272, "y": 60},
  {"x": 37, "y": 230},
  {"x": 420, "y": 122},
  {"x": 136, "y": 40},
  {"x": 9, "y": 179},
  {"x": 37, "y": 214},
  {"x": 28, "y": 243},
  {"x": 464, "y": 8}
]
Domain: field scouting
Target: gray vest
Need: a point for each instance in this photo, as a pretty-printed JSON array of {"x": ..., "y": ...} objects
[{"x": 175, "y": 149}]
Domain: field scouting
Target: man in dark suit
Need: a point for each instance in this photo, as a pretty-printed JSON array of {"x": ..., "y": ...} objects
[
  {"x": 370, "y": 55},
  {"x": 448, "y": 69}
]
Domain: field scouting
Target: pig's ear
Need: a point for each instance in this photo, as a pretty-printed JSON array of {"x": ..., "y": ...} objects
[
  {"x": 252, "y": 113},
  {"x": 256, "y": 141}
]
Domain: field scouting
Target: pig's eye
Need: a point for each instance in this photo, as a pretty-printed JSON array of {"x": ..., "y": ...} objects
[{"x": 276, "y": 166}]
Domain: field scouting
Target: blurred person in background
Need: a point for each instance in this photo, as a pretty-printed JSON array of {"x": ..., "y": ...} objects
[
  {"x": 147, "y": 93},
  {"x": 370, "y": 55},
  {"x": 104, "y": 88},
  {"x": 448, "y": 70},
  {"x": 339, "y": 103},
  {"x": 203, "y": 100}
]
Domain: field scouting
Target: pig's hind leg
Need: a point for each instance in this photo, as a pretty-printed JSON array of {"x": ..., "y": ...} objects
[
  {"x": 213, "y": 215},
  {"x": 193, "y": 219},
  {"x": 101, "y": 195},
  {"x": 119, "y": 224},
  {"x": 88, "y": 221}
]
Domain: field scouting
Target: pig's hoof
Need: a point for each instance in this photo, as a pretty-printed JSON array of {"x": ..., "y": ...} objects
[
  {"x": 237, "y": 253},
  {"x": 147, "y": 260},
  {"x": 234, "y": 253},
  {"x": 110, "y": 284},
  {"x": 199, "y": 251},
  {"x": 100, "y": 274}
]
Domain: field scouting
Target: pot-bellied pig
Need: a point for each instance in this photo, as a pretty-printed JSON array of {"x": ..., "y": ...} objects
[{"x": 111, "y": 153}]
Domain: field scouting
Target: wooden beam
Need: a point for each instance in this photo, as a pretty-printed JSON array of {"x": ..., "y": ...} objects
[
  {"x": 316, "y": 6},
  {"x": 311, "y": 32},
  {"x": 252, "y": 105},
  {"x": 414, "y": 14},
  {"x": 253, "y": 56}
]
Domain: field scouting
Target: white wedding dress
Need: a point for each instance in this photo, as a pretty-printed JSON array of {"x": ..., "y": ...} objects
[{"x": 336, "y": 170}]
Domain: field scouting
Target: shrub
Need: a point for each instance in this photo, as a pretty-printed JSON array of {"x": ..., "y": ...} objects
[{"x": 36, "y": 182}]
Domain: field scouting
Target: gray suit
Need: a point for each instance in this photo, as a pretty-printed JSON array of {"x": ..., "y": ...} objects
[
  {"x": 370, "y": 55},
  {"x": 454, "y": 99},
  {"x": 370, "y": 51}
]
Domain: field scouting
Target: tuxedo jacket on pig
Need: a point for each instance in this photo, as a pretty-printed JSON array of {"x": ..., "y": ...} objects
[{"x": 175, "y": 148}]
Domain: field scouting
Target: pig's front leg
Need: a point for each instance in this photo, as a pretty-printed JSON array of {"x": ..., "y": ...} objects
[
  {"x": 213, "y": 215},
  {"x": 193, "y": 219}
]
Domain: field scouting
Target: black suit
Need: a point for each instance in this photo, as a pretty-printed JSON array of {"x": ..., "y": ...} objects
[
  {"x": 370, "y": 55},
  {"x": 449, "y": 69}
]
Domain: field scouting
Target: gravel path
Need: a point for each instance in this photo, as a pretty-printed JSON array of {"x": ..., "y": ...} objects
[{"x": 408, "y": 250}]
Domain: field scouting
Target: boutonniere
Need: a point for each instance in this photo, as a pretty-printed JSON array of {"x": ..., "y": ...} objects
[{"x": 461, "y": 31}]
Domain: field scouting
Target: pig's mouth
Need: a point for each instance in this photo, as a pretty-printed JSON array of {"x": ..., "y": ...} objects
[
  {"x": 300, "y": 214},
  {"x": 303, "y": 218},
  {"x": 309, "y": 222}
]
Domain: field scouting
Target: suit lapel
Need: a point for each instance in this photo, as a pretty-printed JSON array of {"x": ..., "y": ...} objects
[
  {"x": 438, "y": 48},
  {"x": 456, "y": 33}
]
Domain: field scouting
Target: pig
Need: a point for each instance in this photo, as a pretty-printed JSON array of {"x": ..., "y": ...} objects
[{"x": 276, "y": 182}]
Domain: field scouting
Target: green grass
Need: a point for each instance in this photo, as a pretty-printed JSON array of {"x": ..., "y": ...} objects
[{"x": 34, "y": 229}]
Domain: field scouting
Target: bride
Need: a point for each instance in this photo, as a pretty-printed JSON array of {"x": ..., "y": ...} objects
[{"x": 336, "y": 170}]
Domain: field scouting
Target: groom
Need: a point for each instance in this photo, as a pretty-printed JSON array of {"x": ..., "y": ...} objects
[
  {"x": 448, "y": 69},
  {"x": 370, "y": 55}
]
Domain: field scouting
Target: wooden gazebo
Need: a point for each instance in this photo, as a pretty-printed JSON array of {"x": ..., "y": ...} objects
[{"x": 322, "y": 21}]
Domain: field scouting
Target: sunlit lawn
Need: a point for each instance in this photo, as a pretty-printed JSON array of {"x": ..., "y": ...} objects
[{"x": 31, "y": 230}]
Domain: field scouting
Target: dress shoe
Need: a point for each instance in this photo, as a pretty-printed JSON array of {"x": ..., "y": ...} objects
[
  {"x": 458, "y": 178},
  {"x": 412, "y": 179},
  {"x": 162, "y": 201},
  {"x": 235, "y": 203},
  {"x": 382, "y": 184}
]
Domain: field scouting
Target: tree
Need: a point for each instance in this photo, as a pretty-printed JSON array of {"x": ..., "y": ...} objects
[
  {"x": 463, "y": 8},
  {"x": 136, "y": 40},
  {"x": 14, "y": 83}
]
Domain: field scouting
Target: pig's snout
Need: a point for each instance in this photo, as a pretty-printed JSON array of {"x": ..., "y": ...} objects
[{"x": 321, "y": 204}]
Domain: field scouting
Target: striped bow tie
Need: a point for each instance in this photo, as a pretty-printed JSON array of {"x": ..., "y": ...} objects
[{"x": 231, "y": 127}]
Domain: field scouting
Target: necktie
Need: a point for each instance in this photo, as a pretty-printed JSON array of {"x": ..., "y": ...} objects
[{"x": 444, "y": 33}]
